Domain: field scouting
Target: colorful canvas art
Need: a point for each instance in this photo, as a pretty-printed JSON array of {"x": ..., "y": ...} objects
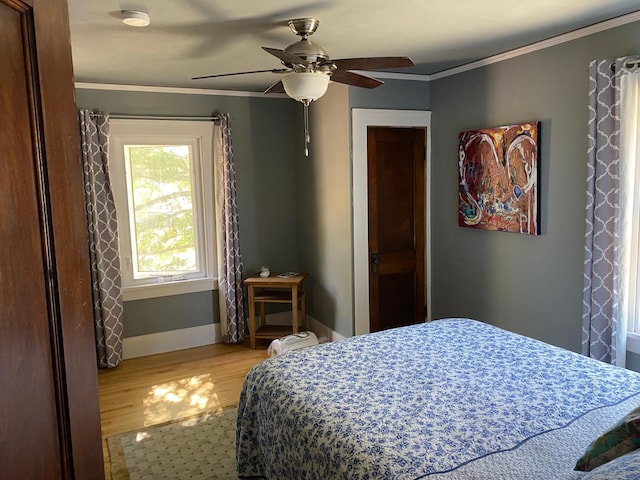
[{"x": 498, "y": 178}]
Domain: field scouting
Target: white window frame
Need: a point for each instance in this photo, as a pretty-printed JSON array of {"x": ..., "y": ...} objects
[
  {"x": 199, "y": 135},
  {"x": 630, "y": 172}
]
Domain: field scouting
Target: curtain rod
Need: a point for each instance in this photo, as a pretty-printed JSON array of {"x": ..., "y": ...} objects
[
  {"x": 632, "y": 63},
  {"x": 160, "y": 117}
]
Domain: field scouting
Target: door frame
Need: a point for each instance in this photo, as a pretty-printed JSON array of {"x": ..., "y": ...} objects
[{"x": 361, "y": 118}]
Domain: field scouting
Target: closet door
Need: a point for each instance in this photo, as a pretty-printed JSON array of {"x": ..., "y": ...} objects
[{"x": 49, "y": 415}]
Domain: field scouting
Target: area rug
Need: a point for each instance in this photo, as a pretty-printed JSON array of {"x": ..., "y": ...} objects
[{"x": 197, "y": 448}]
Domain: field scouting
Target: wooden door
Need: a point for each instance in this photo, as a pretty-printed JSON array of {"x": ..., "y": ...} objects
[
  {"x": 396, "y": 192},
  {"x": 50, "y": 423}
]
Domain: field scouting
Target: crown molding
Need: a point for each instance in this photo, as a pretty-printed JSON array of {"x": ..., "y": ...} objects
[
  {"x": 412, "y": 77},
  {"x": 550, "y": 42},
  {"x": 180, "y": 90}
]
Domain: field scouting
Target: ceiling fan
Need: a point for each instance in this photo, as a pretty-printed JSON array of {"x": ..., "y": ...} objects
[{"x": 309, "y": 68}]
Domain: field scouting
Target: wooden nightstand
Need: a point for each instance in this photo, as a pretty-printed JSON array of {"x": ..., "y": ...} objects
[{"x": 275, "y": 289}]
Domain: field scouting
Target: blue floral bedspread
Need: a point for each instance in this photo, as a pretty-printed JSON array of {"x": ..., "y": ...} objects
[{"x": 413, "y": 402}]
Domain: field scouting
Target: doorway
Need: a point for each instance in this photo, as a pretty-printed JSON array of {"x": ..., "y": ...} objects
[
  {"x": 396, "y": 179},
  {"x": 361, "y": 120}
]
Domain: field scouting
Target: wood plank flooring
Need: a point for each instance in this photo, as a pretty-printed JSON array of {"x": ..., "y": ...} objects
[{"x": 155, "y": 389}]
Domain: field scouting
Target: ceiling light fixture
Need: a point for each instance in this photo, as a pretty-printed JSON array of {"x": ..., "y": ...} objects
[
  {"x": 306, "y": 87},
  {"x": 135, "y": 18}
]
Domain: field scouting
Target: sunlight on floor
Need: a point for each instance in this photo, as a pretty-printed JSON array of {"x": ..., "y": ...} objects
[{"x": 180, "y": 398}]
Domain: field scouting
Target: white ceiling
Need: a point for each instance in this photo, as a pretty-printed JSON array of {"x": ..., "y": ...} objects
[{"x": 189, "y": 38}]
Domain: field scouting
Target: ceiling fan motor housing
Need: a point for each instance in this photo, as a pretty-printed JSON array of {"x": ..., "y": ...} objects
[{"x": 311, "y": 52}]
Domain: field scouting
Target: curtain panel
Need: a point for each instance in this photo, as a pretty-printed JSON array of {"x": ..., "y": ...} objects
[
  {"x": 103, "y": 238},
  {"x": 230, "y": 287},
  {"x": 604, "y": 319}
]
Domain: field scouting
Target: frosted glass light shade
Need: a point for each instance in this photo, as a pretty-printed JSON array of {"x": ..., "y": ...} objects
[{"x": 305, "y": 86}]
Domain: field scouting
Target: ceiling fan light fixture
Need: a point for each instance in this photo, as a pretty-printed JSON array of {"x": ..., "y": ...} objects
[
  {"x": 305, "y": 87},
  {"x": 135, "y": 18}
]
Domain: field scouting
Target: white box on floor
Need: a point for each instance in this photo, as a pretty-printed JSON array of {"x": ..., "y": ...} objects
[{"x": 292, "y": 342}]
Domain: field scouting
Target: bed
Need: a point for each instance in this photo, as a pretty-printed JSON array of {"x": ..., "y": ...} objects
[{"x": 449, "y": 399}]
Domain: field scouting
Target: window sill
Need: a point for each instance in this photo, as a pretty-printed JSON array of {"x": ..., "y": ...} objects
[
  {"x": 633, "y": 342},
  {"x": 169, "y": 288}
]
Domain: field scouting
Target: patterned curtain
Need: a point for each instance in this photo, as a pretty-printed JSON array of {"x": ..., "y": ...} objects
[
  {"x": 604, "y": 328},
  {"x": 231, "y": 295},
  {"x": 103, "y": 238}
]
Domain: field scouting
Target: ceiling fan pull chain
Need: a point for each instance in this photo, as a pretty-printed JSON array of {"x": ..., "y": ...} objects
[{"x": 307, "y": 137}]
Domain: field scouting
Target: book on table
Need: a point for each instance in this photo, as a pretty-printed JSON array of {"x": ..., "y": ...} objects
[{"x": 287, "y": 274}]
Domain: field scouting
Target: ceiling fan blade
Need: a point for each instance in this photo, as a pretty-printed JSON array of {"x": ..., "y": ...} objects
[
  {"x": 273, "y": 70},
  {"x": 277, "y": 87},
  {"x": 286, "y": 57},
  {"x": 355, "y": 79},
  {"x": 372, "y": 63}
]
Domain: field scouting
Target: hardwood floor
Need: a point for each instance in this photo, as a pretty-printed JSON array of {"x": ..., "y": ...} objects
[{"x": 155, "y": 389}]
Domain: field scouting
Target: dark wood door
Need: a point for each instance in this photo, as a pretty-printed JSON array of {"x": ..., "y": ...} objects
[
  {"x": 396, "y": 192},
  {"x": 49, "y": 420}
]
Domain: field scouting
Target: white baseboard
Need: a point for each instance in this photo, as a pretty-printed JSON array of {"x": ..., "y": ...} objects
[
  {"x": 162, "y": 342},
  {"x": 320, "y": 329}
]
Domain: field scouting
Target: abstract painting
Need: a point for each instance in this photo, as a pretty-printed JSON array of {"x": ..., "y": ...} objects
[{"x": 498, "y": 178}]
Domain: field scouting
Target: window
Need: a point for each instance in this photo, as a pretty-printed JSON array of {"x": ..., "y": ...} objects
[
  {"x": 162, "y": 178},
  {"x": 630, "y": 202}
]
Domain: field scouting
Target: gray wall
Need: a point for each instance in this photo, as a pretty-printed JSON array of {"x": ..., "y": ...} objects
[
  {"x": 324, "y": 213},
  {"x": 393, "y": 95},
  {"x": 531, "y": 285},
  {"x": 262, "y": 129},
  {"x": 151, "y": 315},
  {"x": 325, "y": 194}
]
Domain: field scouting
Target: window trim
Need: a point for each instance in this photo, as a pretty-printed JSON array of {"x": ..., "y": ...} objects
[
  {"x": 141, "y": 292},
  {"x": 630, "y": 197},
  {"x": 633, "y": 342},
  {"x": 140, "y": 132}
]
